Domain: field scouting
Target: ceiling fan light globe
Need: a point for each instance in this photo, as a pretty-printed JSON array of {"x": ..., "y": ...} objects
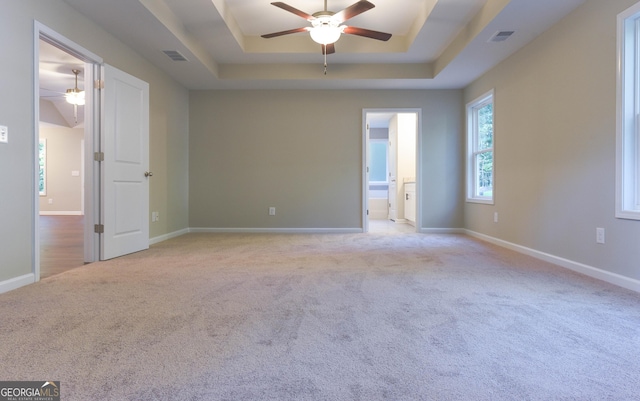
[
  {"x": 325, "y": 34},
  {"x": 75, "y": 97}
]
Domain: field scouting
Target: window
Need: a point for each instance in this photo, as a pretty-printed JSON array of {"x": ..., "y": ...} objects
[
  {"x": 628, "y": 115},
  {"x": 379, "y": 172},
  {"x": 42, "y": 163},
  {"x": 480, "y": 149}
]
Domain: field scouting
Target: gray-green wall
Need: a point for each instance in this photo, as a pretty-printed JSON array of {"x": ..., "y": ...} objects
[
  {"x": 555, "y": 139},
  {"x": 168, "y": 125},
  {"x": 63, "y": 155},
  {"x": 301, "y": 151}
]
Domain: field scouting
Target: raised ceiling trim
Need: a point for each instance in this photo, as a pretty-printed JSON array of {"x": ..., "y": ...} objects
[{"x": 335, "y": 71}]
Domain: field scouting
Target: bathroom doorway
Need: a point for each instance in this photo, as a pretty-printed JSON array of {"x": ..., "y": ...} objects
[{"x": 391, "y": 167}]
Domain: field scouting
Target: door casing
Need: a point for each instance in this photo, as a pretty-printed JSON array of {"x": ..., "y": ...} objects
[{"x": 91, "y": 135}]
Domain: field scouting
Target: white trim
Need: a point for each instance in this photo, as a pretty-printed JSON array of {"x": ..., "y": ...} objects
[
  {"x": 17, "y": 282},
  {"x": 277, "y": 230},
  {"x": 52, "y": 37},
  {"x": 627, "y": 109},
  {"x": 61, "y": 213},
  {"x": 594, "y": 272},
  {"x": 365, "y": 172},
  {"x": 165, "y": 237}
]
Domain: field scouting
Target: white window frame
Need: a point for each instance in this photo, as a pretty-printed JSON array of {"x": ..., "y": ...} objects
[
  {"x": 472, "y": 152},
  {"x": 628, "y": 115}
]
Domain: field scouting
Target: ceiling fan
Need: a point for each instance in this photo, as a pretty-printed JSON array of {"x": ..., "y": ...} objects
[
  {"x": 73, "y": 96},
  {"x": 326, "y": 25}
]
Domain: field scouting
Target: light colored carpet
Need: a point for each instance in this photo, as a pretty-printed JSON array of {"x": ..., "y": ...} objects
[{"x": 324, "y": 317}]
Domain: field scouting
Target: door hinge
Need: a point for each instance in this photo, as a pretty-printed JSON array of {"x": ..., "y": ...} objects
[
  {"x": 98, "y": 156},
  {"x": 98, "y": 84},
  {"x": 367, "y": 212},
  {"x": 98, "y": 228}
]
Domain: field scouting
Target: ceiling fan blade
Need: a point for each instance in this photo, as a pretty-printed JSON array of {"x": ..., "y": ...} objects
[
  {"x": 293, "y": 10},
  {"x": 330, "y": 48},
  {"x": 352, "y": 11},
  {"x": 367, "y": 33},
  {"x": 281, "y": 33}
]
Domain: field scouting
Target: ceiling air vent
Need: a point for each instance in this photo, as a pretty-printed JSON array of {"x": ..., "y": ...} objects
[
  {"x": 175, "y": 55},
  {"x": 501, "y": 36}
]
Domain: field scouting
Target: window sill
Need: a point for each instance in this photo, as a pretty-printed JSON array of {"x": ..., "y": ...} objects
[{"x": 628, "y": 215}]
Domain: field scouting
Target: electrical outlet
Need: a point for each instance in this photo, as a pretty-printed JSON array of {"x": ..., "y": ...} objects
[
  {"x": 272, "y": 211},
  {"x": 155, "y": 216},
  {"x": 495, "y": 217},
  {"x": 4, "y": 134},
  {"x": 600, "y": 235},
  {"x": 50, "y": 201}
]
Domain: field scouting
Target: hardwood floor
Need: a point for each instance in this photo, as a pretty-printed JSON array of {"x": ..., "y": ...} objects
[{"x": 61, "y": 244}]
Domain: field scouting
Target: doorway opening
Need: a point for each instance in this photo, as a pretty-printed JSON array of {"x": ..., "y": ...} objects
[
  {"x": 61, "y": 168},
  {"x": 64, "y": 138},
  {"x": 116, "y": 155},
  {"x": 391, "y": 169}
]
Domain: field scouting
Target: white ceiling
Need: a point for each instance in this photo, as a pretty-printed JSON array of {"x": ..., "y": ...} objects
[{"x": 436, "y": 44}]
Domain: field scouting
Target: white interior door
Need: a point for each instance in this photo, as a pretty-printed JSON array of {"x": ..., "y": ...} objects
[
  {"x": 393, "y": 170},
  {"x": 365, "y": 225},
  {"x": 125, "y": 144}
]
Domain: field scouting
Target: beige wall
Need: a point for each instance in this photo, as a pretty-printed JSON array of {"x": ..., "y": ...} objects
[
  {"x": 168, "y": 126},
  {"x": 63, "y": 157},
  {"x": 301, "y": 151},
  {"x": 555, "y": 105}
]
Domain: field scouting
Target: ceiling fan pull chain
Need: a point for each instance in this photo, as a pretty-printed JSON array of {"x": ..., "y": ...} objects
[{"x": 325, "y": 59}]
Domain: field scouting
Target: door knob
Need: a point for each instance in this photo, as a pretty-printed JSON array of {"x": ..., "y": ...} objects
[{"x": 148, "y": 174}]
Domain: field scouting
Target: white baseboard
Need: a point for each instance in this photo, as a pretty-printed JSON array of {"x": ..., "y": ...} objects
[
  {"x": 17, "y": 282},
  {"x": 277, "y": 230},
  {"x": 165, "y": 237},
  {"x": 609, "y": 277},
  {"x": 61, "y": 213}
]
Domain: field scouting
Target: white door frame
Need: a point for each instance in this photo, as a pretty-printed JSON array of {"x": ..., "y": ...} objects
[
  {"x": 91, "y": 136},
  {"x": 365, "y": 160}
]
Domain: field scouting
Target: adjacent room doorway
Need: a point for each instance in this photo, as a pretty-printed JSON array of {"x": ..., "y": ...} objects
[
  {"x": 391, "y": 168},
  {"x": 61, "y": 160},
  {"x": 115, "y": 158}
]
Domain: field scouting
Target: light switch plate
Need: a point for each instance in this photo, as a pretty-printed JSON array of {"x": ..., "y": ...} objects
[{"x": 4, "y": 134}]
